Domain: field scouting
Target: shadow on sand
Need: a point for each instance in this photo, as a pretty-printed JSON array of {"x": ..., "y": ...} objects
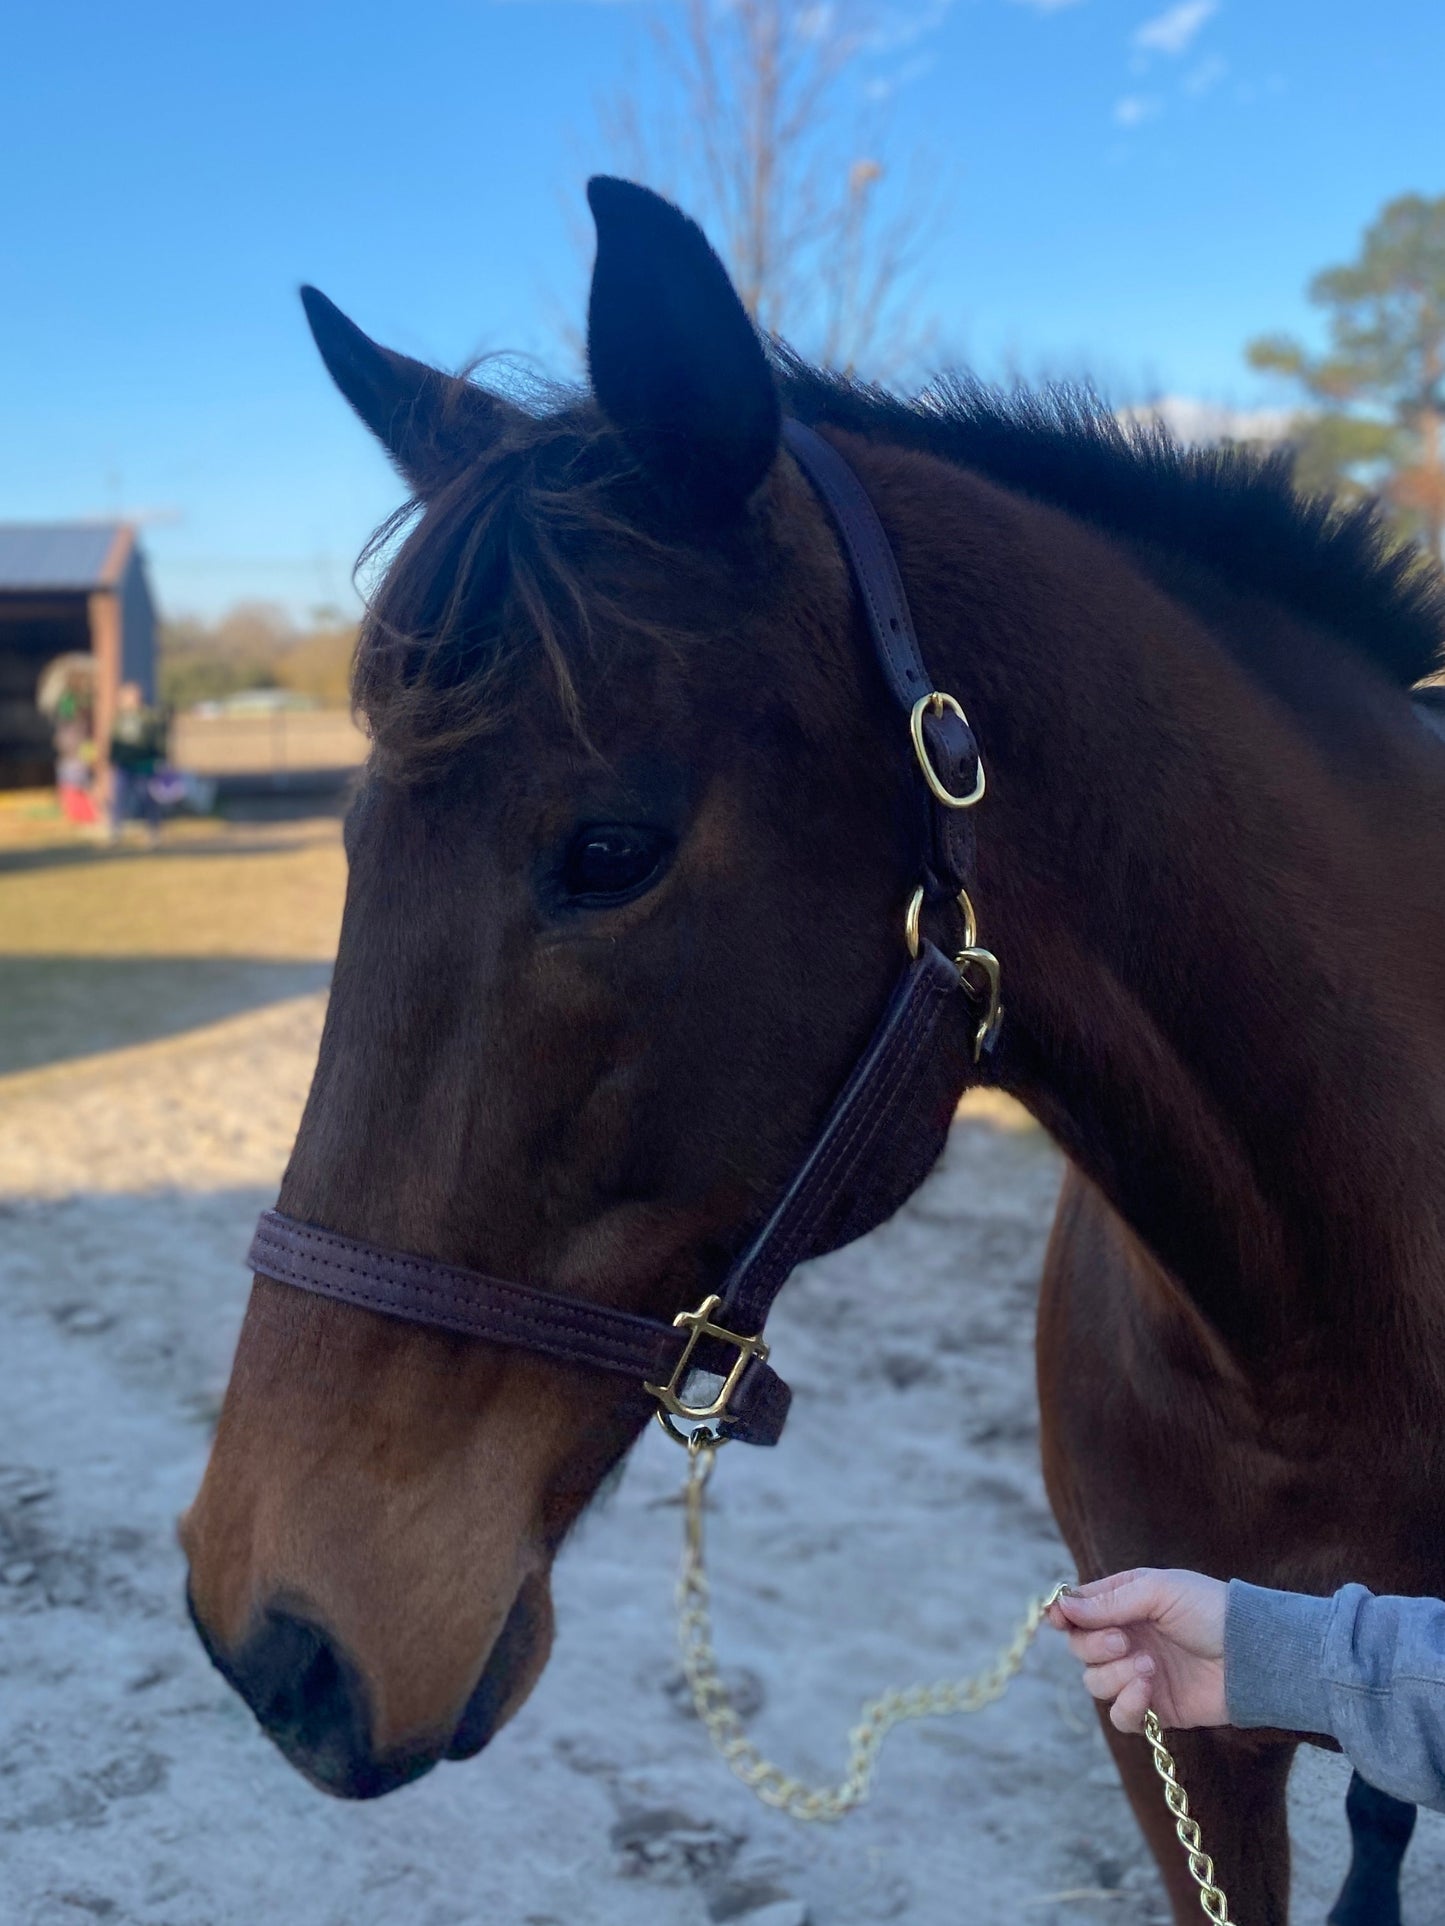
[
  {"x": 19, "y": 862},
  {"x": 53, "y": 1008}
]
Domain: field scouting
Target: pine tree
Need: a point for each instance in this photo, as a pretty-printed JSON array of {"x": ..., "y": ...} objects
[{"x": 1378, "y": 422}]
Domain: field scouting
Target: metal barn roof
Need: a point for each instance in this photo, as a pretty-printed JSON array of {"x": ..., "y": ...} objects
[{"x": 61, "y": 556}]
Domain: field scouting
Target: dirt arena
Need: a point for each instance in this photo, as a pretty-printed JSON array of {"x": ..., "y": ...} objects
[{"x": 158, "y": 1019}]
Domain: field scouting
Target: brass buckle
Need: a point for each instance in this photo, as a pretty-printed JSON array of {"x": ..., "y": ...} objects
[
  {"x": 935, "y": 704},
  {"x": 699, "y": 1325},
  {"x": 972, "y": 952}
]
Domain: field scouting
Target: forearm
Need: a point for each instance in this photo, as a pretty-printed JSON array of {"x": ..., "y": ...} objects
[{"x": 1367, "y": 1671}]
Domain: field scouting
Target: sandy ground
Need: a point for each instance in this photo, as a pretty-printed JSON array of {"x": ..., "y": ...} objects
[{"x": 895, "y": 1535}]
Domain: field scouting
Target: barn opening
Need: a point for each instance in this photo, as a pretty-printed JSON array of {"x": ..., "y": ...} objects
[{"x": 68, "y": 588}]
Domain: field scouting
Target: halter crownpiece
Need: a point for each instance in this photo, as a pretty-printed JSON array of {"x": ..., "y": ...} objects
[{"x": 877, "y": 1142}]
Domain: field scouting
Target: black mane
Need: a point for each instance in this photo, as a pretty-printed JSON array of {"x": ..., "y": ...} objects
[{"x": 1230, "y": 508}]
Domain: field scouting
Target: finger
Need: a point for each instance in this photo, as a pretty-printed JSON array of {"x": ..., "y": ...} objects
[
  {"x": 1108, "y": 1681},
  {"x": 1096, "y": 1648},
  {"x": 1123, "y": 1600},
  {"x": 1128, "y": 1710}
]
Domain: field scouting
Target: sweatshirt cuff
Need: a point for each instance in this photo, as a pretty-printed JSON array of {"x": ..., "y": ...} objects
[{"x": 1273, "y": 1659}]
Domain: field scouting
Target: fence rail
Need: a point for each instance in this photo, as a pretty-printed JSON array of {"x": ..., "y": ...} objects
[{"x": 292, "y": 740}]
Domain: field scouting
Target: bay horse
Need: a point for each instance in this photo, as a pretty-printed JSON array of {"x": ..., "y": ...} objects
[{"x": 628, "y": 869}]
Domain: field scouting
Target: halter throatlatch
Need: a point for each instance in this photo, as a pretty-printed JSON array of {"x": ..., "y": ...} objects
[{"x": 861, "y": 1135}]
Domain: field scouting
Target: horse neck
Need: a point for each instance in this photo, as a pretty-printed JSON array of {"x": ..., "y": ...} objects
[{"x": 1222, "y": 928}]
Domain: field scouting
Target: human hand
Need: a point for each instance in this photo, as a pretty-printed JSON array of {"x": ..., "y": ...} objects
[{"x": 1150, "y": 1638}]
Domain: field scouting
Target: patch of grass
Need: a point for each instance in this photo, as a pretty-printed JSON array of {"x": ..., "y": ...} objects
[{"x": 261, "y": 891}]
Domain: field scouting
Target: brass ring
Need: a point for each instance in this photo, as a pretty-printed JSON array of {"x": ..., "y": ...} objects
[
  {"x": 970, "y": 921},
  {"x": 912, "y": 934},
  {"x": 935, "y": 704},
  {"x": 691, "y": 1441},
  {"x": 910, "y": 922}
]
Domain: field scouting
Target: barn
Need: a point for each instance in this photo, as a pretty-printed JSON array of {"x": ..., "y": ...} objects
[{"x": 68, "y": 588}]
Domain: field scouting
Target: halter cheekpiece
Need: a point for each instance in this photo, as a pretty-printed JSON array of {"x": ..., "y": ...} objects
[{"x": 744, "y": 1396}]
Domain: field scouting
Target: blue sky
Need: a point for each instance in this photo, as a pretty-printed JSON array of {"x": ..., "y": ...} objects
[{"x": 1138, "y": 186}]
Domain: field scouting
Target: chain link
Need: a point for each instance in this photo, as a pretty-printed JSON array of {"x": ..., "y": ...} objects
[{"x": 945, "y": 1699}]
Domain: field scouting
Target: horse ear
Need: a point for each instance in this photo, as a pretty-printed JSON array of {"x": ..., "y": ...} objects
[
  {"x": 432, "y": 425},
  {"x": 677, "y": 365}
]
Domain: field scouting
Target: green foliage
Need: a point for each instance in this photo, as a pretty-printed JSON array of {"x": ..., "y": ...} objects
[
  {"x": 255, "y": 646},
  {"x": 1376, "y": 414},
  {"x": 1344, "y": 453}
]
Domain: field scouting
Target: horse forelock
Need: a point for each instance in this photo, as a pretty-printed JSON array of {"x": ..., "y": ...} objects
[{"x": 553, "y": 559}]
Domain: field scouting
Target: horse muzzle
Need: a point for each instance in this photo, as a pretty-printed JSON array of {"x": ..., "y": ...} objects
[{"x": 313, "y": 1702}]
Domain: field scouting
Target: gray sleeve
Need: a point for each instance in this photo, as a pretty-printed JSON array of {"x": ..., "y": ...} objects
[{"x": 1368, "y": 1671}]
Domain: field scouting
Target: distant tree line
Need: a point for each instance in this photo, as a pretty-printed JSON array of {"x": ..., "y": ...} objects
[{"x": 255, "y": 645}]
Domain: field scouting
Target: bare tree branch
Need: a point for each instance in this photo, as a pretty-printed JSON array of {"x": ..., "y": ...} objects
[{"x": 764, "y": 132}]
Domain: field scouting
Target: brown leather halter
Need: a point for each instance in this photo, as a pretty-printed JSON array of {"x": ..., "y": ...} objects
[{"x": 872, "y": 1128}]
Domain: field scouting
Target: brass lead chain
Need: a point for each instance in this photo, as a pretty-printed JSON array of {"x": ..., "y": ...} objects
[
  {"x": 875, "y": 1721},
  {"x": 947, "y": 1698},
  {"x": 1186, "y": 1827}
]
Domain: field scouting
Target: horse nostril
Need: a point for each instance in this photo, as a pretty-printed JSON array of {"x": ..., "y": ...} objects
[
  {"x": 302, "y": 1687},
  {"x": 310, "y": 1700}
]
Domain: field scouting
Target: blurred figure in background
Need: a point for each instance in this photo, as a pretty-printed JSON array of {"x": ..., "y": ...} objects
[
  {"x": 65, "y": 695},
  {"x": 137, "y": 751},
  {"x": 75, "y": 759}
]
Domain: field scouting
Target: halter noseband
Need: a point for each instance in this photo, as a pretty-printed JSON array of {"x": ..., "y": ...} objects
[{"x": 723, "y": 1336}]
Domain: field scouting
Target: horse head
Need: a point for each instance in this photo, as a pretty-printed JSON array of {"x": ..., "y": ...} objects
[{"x": 626, "y": 876}]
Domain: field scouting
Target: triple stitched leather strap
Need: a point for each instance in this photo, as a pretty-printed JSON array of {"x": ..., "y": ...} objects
[
  {"x": 881, "y": 1084},
  {"x": 447, "y": 1297}
]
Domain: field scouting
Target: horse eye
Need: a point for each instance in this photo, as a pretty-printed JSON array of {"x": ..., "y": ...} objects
[{"x": 609, "y": 861}]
